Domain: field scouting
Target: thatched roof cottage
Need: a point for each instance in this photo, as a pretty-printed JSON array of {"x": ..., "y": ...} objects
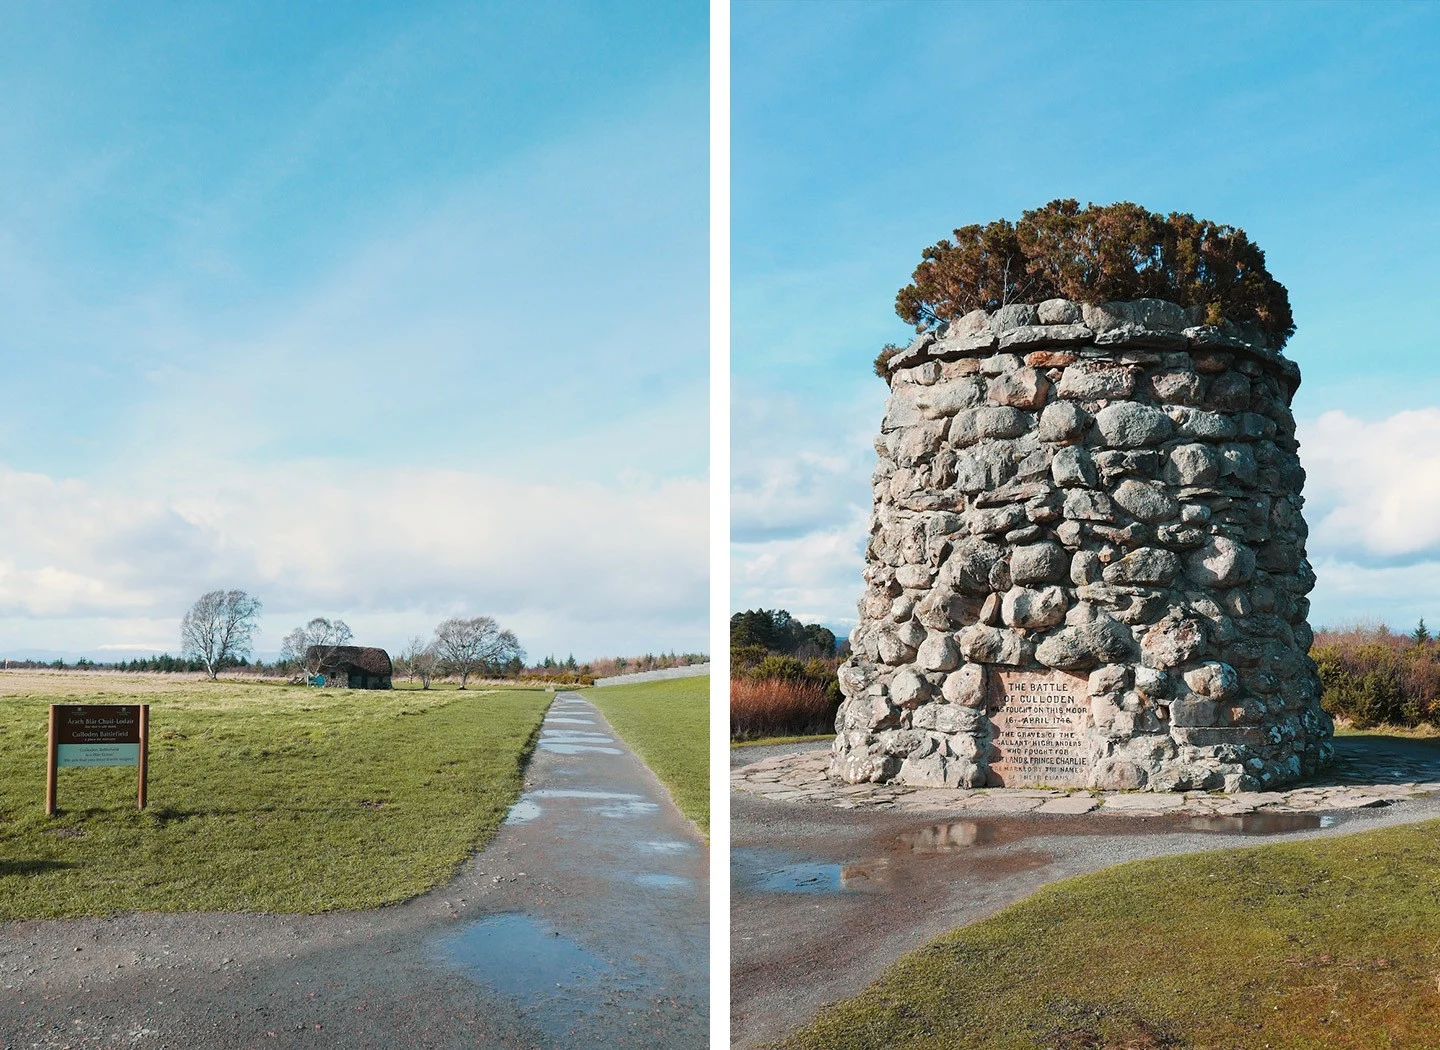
[{"x": 354, "y": 666}]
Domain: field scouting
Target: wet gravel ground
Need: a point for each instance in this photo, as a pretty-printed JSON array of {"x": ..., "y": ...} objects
[
  {"x": 823, "y": 899},
  {"x": 582, "y": 924}
]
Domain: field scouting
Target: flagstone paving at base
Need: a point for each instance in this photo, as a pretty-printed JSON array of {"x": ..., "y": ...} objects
[{"x": 1362, "y": 777}]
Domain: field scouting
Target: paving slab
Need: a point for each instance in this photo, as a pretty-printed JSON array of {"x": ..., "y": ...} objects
[{"x": 583, "y": 923}]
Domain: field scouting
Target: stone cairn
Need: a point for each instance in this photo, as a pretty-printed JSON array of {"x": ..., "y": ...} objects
[{"x": 1086, "y": 564}]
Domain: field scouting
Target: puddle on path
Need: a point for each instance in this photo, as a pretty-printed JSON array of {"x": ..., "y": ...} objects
[
  {"x": 576, "y": 749},
  {"x": 561, "y": 720},
  {"x": 661, "y": 881},
  {"x": 774, "y": 871},
  {"x": 523, "y": 810},
  {"x": 614, "y": 804},
  {"x": 1262, "y": 823},
  {"x": 669, "y": 848},
  {"x": 547, "y": 975},
  {"x": 957, "y": 836}
]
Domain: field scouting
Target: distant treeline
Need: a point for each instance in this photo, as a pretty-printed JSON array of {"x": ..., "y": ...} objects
[
  {"x": 164, "y": 662},
  {"x": 570, "y": 671}
]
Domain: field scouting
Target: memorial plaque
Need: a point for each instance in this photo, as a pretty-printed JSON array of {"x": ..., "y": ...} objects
[{"x": 1039, "y": 718}]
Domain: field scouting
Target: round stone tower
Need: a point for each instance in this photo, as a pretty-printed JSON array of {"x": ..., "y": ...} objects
[{"x": 1087, "y": 560}]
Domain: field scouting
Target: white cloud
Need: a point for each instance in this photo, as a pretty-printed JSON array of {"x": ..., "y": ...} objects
[
  {"x": 815, "y": 576},
  {"x": 585, "y": 567},
  {"x": 800, "y": 500},
  {"x": 1373, "y": 488}
]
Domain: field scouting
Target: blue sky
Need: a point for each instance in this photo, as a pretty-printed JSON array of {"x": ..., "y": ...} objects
[
  {"x": 864, "y": 131},
  {"x": 376, "y": 311}
]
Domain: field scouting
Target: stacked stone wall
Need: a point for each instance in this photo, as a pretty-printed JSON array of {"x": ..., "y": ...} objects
[{"x": 1087, "y": 560}]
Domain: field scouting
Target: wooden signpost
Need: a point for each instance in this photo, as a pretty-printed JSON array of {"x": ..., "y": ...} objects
[{"x": 97, "y": 735}]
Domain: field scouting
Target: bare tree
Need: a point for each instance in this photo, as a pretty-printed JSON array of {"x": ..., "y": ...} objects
[
  {"x": 468, "y": 647},
  {"x": 312, "y": 646},
  {"x": 218, "y": 628},
  {"x": 419, "y": 660}
]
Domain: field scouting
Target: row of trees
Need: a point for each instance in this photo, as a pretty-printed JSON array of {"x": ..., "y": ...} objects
[
  {"x": 219, "y": 630},
  {"x": 465, "y": 648}
]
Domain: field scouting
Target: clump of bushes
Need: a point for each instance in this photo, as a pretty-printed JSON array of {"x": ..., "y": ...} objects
[
  {"x": 782, "y": 676},
  {"x": 1099, "y": 253},
  {"x": 1372, "y": 676}
]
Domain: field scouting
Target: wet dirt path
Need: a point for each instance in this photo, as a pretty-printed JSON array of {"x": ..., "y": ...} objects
[
  {"x": 823, "y": 899},
  {"x": 583, "y": 923}
]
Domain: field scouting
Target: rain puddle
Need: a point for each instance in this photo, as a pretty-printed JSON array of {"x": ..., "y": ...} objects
[
  {"x": 668, "y": 849},
  {"x": 526, "y": 960},
  {"x": 576, "y": 749},
  {"x": 615, "y": 804},
  {"x": 522, "y": 811},
  {"x": 560, "y": 720},
  {"x": 1262, "y": 823},
  {"x": 770, "y": 871},
  {"x": 962, "y": 835},
  {"x": 661, "y": 881}
]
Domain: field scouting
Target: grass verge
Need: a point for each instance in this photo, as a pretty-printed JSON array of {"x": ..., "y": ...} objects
[
  {"x": 262, "y": 797},
  {"x": 667, "y": 723},
  {"x": 1332, "y": 944}
]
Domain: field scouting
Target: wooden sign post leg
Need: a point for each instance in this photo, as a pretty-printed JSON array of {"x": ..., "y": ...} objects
[
  {"x": 52, "y": 757},
  {"x": 144, "y": 751}
]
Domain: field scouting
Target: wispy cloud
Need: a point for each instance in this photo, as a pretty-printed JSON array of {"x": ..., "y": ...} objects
[{"x": 583, "y": 566}]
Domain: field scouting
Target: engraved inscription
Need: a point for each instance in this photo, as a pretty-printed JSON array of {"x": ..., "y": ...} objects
[{"x": 1038, "y": 720}]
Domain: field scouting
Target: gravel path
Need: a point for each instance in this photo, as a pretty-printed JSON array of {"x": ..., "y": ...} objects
[
  {"x": 583, "y": 923},
  {"x": 824, "y": 898}
]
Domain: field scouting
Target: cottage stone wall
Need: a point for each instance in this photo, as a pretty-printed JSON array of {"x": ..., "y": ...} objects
[{"x": 1087, "y": 560}]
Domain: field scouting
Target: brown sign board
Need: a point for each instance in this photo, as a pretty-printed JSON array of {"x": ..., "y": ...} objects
[
  {"x": 97, "y": 735},
  {"x": 97, "y": 724},
  {"x": 1038, "y": 719}
]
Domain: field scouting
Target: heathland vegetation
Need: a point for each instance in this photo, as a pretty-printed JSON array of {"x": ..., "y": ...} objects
[
  {"x": 1099, "y": 253},
  {"x": 1372, "y": 676},
  {"x": 782, "y": 676},
  {"x": 262, "y": 797}
]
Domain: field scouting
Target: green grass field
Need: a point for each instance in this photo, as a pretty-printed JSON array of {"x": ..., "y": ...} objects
[
  {"x": 1332, "y": 944},
  {"x": 263, "y": 797},
  {"x": 668, "y": 726}
]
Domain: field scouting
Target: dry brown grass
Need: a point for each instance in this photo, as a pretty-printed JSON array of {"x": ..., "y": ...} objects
[{"x": 762, "y": 707}]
